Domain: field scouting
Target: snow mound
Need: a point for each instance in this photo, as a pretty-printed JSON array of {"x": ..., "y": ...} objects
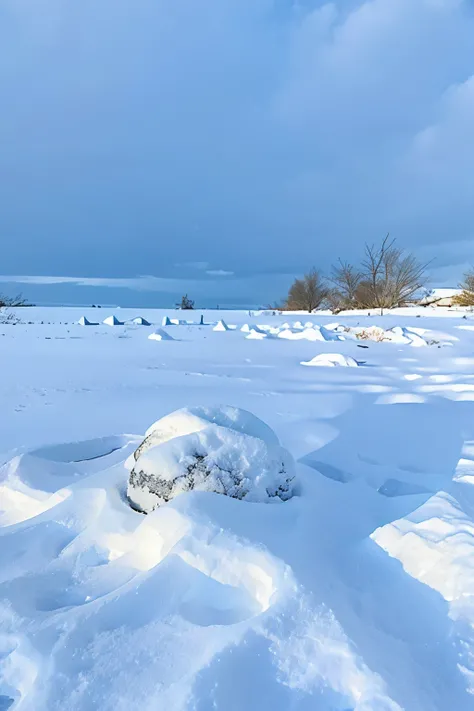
[
  {"x": 315, "y": 333},
  {"x": 255, "y": 335},
  {"x": 215, "y": 459},
  {"x": 112, "y": 321},
  {"x": 140, "y": 321},
  {"x": 397, "y": 334},
  {"x": 194, "y": 419},
  {"x": 83, "y": 321},
  {"x": 160, "y": 335},
  {"x": 246, "y": 328},
  {"x": 435, "y": 545},
  {"x": 332, "y": 360},
  {"x": 221, "y": 326}
]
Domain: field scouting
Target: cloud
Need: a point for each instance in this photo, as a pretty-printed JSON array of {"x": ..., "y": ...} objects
[
  {"x": 254, "y": 289},
  {"x": 219, "y": 272},
  {"x": 177, "y": 135}
]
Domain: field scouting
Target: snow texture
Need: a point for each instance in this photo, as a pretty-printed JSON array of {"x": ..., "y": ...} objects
[
  {"x": 354, "y": 595},
  {"x": 194, "y": 419}
]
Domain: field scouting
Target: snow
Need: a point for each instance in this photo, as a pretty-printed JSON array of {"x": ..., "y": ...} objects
[
  {"x": 189, "y": 420},
  {"x": 214, "y": 459},
  {"x": 438, "y": 294},
  {"x": 140, "y": 321},
  {"x": 83, "y": 321},
  {"x": 160, "y": 335},
  {"x": 112, "y": 321},
  {"x": 256, "y": 334},
  {"x": 355, "y": 594},
  {"x": 221, "y": 326},
  {"x": 331, "y": 360}
]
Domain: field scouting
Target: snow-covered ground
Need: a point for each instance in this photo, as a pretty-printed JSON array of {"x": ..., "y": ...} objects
[{"x": 357, "y": 594}]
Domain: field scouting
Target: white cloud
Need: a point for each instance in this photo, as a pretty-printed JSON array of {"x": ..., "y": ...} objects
[{"x": 219, "y": 272}]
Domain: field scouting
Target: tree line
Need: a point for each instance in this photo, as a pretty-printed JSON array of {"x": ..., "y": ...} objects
[{"x": 386, "y": 277}]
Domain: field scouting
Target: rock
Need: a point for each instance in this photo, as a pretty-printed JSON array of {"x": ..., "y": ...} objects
[{"x": 222, "y": 449}]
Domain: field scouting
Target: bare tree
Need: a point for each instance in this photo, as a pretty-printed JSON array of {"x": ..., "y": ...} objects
[
  {"x": 7, "y": 303},
  {"x": 346, "y": 280},
  {"x": 466, "y": 297},
  {"x": 308, "y": 293},
  {"x": 390, "y": 276}
]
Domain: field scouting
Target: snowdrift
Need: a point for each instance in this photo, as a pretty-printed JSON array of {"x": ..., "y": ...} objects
[{"x": 332, "y": 360}]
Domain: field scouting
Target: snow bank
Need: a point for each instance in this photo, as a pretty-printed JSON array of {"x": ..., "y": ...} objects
[
  {"x": 160, "y": 335},
  {"x": 315, "y": 333},
  {"x": 140, "y": 321},
  {"x": 83, "y": 321},
  {"x": 397, "y": 334},
  {"x": 332, "y": 360},
  {"x": 211, "y": 458},
  {"x": 112, "y": 321},
  {"x": 435, "y": 545}
]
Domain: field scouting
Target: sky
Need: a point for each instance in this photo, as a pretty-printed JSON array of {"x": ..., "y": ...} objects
[{"x": 150, "y": 148}]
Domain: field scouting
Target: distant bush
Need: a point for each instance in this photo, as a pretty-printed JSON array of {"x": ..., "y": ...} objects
[
  {"x": 466, "y": 297},
  {"x": 186, "y": 304},
  {"x": 306, "y": 294}
]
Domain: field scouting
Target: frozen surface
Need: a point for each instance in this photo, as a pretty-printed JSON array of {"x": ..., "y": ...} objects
[{"x": 357, "y": 594}]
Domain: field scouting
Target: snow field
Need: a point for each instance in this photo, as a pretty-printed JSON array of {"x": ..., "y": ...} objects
[{"x": 354, "y": 595}]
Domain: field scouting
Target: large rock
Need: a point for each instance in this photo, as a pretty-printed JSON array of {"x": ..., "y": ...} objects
[
  {"x": 209, "y": 449},
  {"x": 194, "y": 419}
]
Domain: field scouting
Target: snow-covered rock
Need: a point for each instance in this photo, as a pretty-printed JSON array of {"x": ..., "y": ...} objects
[
  {"x": 166, "y": 321},
  {"x": 112, "y": 321},
  {"x": 221, "y": 326},
  {"x": 160, "y": 335},
  {"x": 255, "y": 335},
  {"x": 332, "y": 360},
  {"x": 246, "y": 328},
  {"x": 140, "y": 321},
  {"x": 194, "y": 419},
  {"x": 212, "y": 458},
  {"x": 84, "y": 321}
]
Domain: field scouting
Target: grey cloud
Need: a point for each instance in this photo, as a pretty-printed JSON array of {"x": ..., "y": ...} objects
[{"x": 263, "y": 136}]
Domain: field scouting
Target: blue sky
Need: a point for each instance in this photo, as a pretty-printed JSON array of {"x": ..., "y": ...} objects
[{"x": 219, "y": 147}]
